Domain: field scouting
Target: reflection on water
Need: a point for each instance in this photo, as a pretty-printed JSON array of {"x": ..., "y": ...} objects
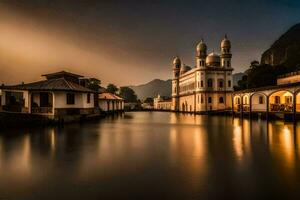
[{"x": 140, "y": 155}]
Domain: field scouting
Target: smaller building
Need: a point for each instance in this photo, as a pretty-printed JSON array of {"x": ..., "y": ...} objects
[
  {"x": 59, "y": 97},
  {"x": 162, "y": 103},
  {"x": 109, "y": 102}
]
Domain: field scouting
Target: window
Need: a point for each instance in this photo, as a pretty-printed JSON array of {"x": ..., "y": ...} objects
[
  {"x": 261, "y": 100},
  {"x": 229, "y": 83},
  {"x": 277, "y": 99},
  {"x": 209, "y": 100},
  {"x": 209, "y": 82},
  {"x": 221, "y": 100},
  {"x": 201, "y": 83},
  {"x": 246, "y": 100},
  {"x": 228, "y": 63},
  {"x": 220, "y": 83},
  {"x": 288, "y": 99},
  {"x": 88, "y": 97},
  {"x": 70, "y": 98}
]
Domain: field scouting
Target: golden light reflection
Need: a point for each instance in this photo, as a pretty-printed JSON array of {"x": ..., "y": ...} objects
[
  {"x": 52, "y": 137},
  {"x": 237, "y": 141},
  {"x": 281, "y": 143},
  {"x": 1, "y": 149}
]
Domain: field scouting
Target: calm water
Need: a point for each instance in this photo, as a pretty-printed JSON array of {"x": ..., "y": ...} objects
[{"x": 153, "y": 156}]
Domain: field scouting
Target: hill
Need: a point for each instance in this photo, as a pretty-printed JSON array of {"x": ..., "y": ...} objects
[
  {"x": 153, "y": 88},
  {"x": 285, "y": 50},
  {"x": 236, "y": 77}
]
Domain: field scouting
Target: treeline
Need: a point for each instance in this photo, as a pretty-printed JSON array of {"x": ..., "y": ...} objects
[
  {"x": 260, "y": 75},
  {"x": 126, "y": 93}
]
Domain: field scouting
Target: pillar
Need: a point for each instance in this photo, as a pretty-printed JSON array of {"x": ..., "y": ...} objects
[{"x": 294, "y": 106}]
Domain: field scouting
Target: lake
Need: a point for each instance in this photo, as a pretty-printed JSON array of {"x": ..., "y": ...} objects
[{"x": 152, "y": 155}]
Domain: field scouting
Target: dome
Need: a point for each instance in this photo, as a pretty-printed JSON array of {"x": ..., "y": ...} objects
[
  {"x": 184, "y": 68},
  {"x": 225, "y": 43},
  {"x": 213, "y": 59},
  {"x": 201, "y": 46},
  {"x": 177, "y": 61}
]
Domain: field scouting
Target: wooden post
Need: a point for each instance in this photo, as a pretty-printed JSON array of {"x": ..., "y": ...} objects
[
  {"x": 242, "y": 106},
  {"x": 267, "y": 113},
  {"x": 250, "y": 106},
  {"x": 294, "y": 107}
]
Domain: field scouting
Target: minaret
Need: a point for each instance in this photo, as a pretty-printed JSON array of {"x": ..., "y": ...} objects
[
  {"x": 175, "y": 83},
  {"x": 201, "y": 53},
  {"x": 226, "y": 53}
]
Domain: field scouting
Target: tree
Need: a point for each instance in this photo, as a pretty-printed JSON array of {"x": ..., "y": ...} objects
[
  {"x": 112, "y": 88},
  {"x": 149, "y": 100},
  {"x": 128, "y": 94},
  {"x": 94, "y": 84}
]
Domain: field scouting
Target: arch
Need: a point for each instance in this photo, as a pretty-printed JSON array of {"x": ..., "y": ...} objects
[
  {"x": 237, "y": 103},
  {"x": 246, "y": 102},
  {"x": 258, "y": 102},
  {"x": 281, "y": 101},
  {"x": 283, "y": 90}
]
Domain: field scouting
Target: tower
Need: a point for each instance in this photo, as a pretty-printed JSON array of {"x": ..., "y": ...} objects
[
  {"x": 175, "y": 83},
  {"x": 201, "y": 53},
  {"x": 226, "y": 53}
]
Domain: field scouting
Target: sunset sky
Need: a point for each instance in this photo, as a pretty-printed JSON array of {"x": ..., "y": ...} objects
[{"x": 131, "y": 42}]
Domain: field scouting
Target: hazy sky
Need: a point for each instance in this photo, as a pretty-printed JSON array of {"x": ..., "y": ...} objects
[{"x": 131, "y": 42}]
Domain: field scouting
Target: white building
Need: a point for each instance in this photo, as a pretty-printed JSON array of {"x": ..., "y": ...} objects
[
  {"x": 109, "y": 102},
  {"x": 161, "y": 103},
  {"x": 208, "y": 85},
  {"x": 59, "y": 97}
]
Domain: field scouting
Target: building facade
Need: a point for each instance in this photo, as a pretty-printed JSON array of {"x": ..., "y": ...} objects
[
  {"x": 60, "y": 97},
  {"x": 161, "y": 103},
  {"x": 207, "y": 86},
  {"x": 280, "y": 101}
]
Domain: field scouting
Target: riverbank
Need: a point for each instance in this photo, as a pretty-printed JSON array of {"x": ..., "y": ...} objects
[{"x": 13, "y": 120}]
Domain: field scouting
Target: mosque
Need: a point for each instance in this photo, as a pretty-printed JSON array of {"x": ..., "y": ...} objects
[{"x": 206, "y": 87}]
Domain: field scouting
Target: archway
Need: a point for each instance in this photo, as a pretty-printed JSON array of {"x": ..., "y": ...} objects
[
  {"x": 237, "y": 103},
  {"x": 246, "y": 103},
  {"x": 258, "y": 102},
  {"x": 281, "y": 101}
]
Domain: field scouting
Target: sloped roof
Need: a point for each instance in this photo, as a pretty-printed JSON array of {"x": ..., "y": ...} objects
[
  {"x": 59, "y": 84},
  {"x": 62, "y": 73},
  {"x": 110, "y": 96}
]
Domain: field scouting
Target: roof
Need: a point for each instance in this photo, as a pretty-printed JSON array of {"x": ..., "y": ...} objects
[
  {"x": 268, "y": 88},
  {"x": 61, "y": 74},
  {"x": 59, "y": 84},
  {"x": 110, "y": 96}
]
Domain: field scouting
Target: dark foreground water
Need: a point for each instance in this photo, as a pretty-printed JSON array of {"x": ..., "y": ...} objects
[{"x": 153, "y": 156}]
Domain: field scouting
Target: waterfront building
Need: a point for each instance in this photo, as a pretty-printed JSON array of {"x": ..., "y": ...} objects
[
  {"x": 59, "y": 97},
  {"x": 281, "y": 100},
  {"x": 109, "y": 102},
  {"x": 162, "y": 103},
  {"x": 208, "y": 85}
]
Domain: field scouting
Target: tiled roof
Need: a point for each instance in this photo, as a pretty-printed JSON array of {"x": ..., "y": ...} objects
[
  {"x": 59, "y": 84},
  {"x": 61, "y": 73},
  {"x": 109, "y": 96}
]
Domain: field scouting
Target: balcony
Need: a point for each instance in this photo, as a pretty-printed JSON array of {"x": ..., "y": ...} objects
[
  {"x": 281, "y": 107},
  {"x": 41, "y": 110}
]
